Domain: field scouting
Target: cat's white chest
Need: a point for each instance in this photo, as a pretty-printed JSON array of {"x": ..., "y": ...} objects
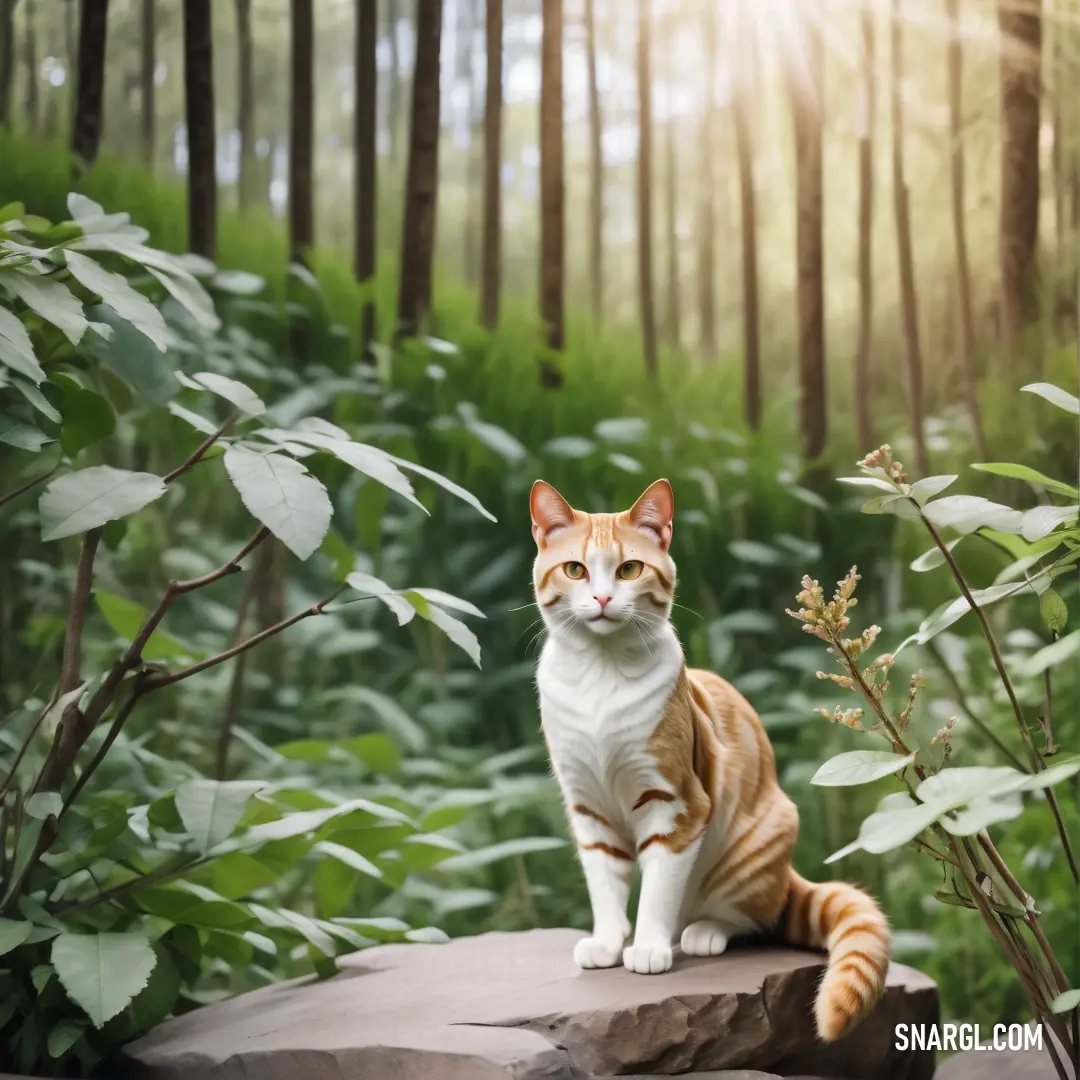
[{"x": 599, "y": 709}]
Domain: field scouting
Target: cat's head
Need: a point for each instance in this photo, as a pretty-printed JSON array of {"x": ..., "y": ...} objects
[{"x": 604, "y": 574}]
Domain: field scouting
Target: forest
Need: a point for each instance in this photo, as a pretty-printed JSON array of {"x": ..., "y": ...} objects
[{"x": 299, "y": 297}]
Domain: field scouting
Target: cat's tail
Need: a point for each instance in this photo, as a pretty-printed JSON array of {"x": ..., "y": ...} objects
[{"x": 849, "y": 924}]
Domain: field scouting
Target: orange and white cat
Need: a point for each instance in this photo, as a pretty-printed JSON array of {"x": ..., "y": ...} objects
[{"x": 671, "y": 769}]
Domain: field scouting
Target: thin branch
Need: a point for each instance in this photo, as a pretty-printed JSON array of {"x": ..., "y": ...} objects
[
  {"x": 158, "y": 680},
  {"x": 1037, "y": 762},
  {"x": 121, "y": 718},
  {"x": 159, "y": 873},
  {"x": 965, "y": 705},
  {"x": 202, "y": 448},
  {"x": 236, "y": 686},
  {"x": 24, "y": 488},
  {"x": 80, "y": 600}
]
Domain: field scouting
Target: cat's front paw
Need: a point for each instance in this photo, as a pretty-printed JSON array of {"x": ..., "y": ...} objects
[
  {"x": 647, "y": 959},
  {"x": 594, "y": 952}
]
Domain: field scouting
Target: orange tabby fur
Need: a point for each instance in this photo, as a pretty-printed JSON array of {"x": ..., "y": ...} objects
[{"x": 707, "y": 764}]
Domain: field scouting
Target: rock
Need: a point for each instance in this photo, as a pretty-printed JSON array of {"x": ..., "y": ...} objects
[{"x": 515, "y": 1007}]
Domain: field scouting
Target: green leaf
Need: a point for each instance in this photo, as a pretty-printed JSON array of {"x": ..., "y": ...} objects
[
  {"x": 1054, "y": 611},
  {"x": 1066, "y": 1002},
  {"x": 966, "y": 513},
  {"x": 87, "y": 419},
  {"x": 243, "y": 397},
  {"x": 353, "y": 859},
  {"x": 868, "y": 482},
  {"x": 22, "y": 435},
  {"x": 1040, "y": 521},
  {"x": 37, "y": 399},
  {"x": 956, "y": 609},
  {"x": 102, "y": 972},
  {"x": 935, "y": 557},
  {"x": 1050, "y": 656},
  {"x": 888, "y": 829},
  {"x": 453, "y": 628},
  {"x": 928, "y": 487},
  {"x": 1055, "y": 395},
  {"x": 752, "y": 551},
  {"x": 212, "y": 809},
  {"x": 508, "y": 849},
  {"x": 199, "y": 423},
  {"x": 129, "y": 353},
  {"x": 52, "y": 300},
  {"x": 13, "y": 932},
  {"x": 63, "y": 1037},
  {"x": 1023, "y": 472},
  {"x": 193, "y": 905},
  {"x": 283, "y": 495},
  {"x": 859, "y": 767},
  {"x": 44, "y": 804},
  {"x": 369, "y": 585},
  {"x": 16, "y": 349},
  {"x": 980, "y": 814},
  {"x": 90, "y": 497},
  {"x": 116, "y": 293},
  {"x": 446, "y": 485}
]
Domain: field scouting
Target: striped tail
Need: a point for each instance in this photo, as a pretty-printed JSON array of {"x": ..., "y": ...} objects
[{"x": 848, "y": 923}]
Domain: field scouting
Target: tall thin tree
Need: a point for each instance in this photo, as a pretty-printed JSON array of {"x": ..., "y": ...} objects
[
  {"x": 491, "y": 244},
  {"x": 393, "y": 109},
  {"x": 30, "y": 55},
  {"x": 867, "y": 121},
  {"x": 743, "y": 54},
  {"x": 245, "y": 103},
  {"x": 90, "y": 80},
  {"x": 366, "y": 149},
  {"x": 552, "y": 187},
  {"x": 596, "y": 170},
  {"x": 908, "y": 297},
  {"x": 302, "y": 130},
  {"x": 644, "y": 191},
  {"x": 201, "y": 138},
  {"x": 706, "y": 190},
  {"x": 965, "y": 320},
  {"x": 147, "y": 86},
  {"x": 808, "y": 106},
  {"x": 1020, "y": 25},
  {"x": 421, "y": 185},
  {"x": 7, "y": 58},
  {"x": 672, "y": 300}
]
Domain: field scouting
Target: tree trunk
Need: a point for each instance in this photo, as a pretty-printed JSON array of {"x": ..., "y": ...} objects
[
  {"x": 366, "y": 149},
  {"x": 865, "y": 342},
  {"x": 1058, "y": 89},
  {"x": 742, "y": 57},
  {"x": 596, "y": 171},
  {"x": 908, "y": 299},
  {"x": 492, "y": 239},
  {"x": 552, "y": 188},
  {"x": 90, "y": 80},
  {"x": 146, "y": 81},
  {"x": 644, "y": 191},
  {"x": 466, "y": 74},
  {"x": 245, "y": 103},
  {"x": 1020, "y": 23},
  {"x": 72, "y": 20},
  {"x": 421, "y": 185},
  {"x": 808, "y": 101},
  {"x": 31, "y": 56},
  {"x": 202, "y": 141},
  {"x": 52, "y": 104},
  {"x": 302, "y": 131},
  {"x": 393, "y": 117},
  {"x": 706, "y": 196},
  {"x": 673, "y": 314},
  {"x": 966, "y": 321},
  {"x": 7, "y": 58}
]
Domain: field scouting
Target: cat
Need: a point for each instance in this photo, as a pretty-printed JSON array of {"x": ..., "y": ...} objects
[{"x": 670, "y": 768}]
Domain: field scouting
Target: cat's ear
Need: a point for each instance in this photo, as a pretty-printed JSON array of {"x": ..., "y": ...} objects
[
  {"x": 654, "y": 511},
  {"x": 549, "y": 510}
]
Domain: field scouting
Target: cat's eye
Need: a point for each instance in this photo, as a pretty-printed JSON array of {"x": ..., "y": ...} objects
[
  {"x": 630, "y": 570},
  {"x": 574, "y": 570}
]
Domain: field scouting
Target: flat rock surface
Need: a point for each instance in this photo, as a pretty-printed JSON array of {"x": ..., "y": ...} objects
[{"x": 516, "y": 1006}]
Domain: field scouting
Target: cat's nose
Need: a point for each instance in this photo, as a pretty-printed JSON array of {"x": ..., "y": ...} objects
[{"x": 603, "y": 601}]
